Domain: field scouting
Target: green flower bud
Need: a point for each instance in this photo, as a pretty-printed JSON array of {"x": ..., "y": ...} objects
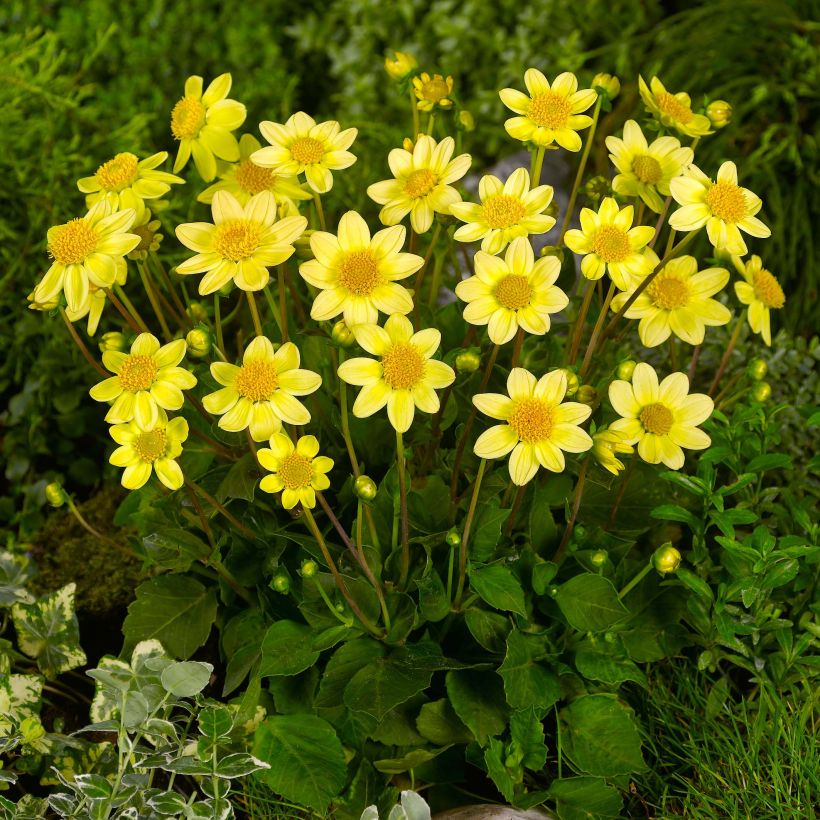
[
  {"x": 342, "y": 335},
  {"x": 606, "y": 85},
  {"x": 757, "y": 369},
  {"x": 398, "y": 64},
  {"x": 199, "y": 342},
  {"x": 365, "y": 488},
  {"x": 719, "y": 113},
  {"x": 453, "y": 538},
  {"x": 227, "y": 288},
  {"x": 579, "y": 534},
  {"x": 762, "y": 392},
  {"x": 572, "y": 381},
  {"x": 112, "y": 341},
  {"x": 55, "y": 494},
  {"x": 586, "y": 394},
  {"x": 197, "y": 312},
  {"x": 309, "y": 568},
  {"x": 302, "y": 245},
  {"x": 597, "y": 188},
  {"x": 666, "y": 559},
  {"x": 468, "y": 361},
  {"x": 598, "y": 558},
  {"x": 625, "y": 369},
  {"x": 280, "y": 583},
  {"x": 466, "y": 120},
  {"x": 553, "y": 250}
]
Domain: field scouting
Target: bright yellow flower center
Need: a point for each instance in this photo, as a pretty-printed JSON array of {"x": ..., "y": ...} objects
[
  {"x": 359, "y": 273},
  {"x": 257, "y": 380},
  {"x": 647, "y": 169},
  {"x": 137, "y": 373},
  {"x": 513, "y": 292},
  {"x": 502, "y": 211},
  {"x": 253, "y": 178},
  {"x": 657, "y": 418},
  {"x": 611, "y": 243},
  {"x": 668, "y": 292},
  {"x": 550, "y": 110},
  {"x": 151, "y": 445},
  {"x": 237, "y": 239},
  {"x": 532, "y": 420},
  {"x": 187, "y": 118},
  {"x": 435, "y": 89},
  {"x": 295, "y": 471},
  {"x": 70, "y": 243},
  {"x": 117, "y": 173},
  {"x": 419, "y": 183},
  {"x": 768, "y": 290},
  {"x": 307, "y": 150},
  {"x": 670, "y": 105},
  {"x": 726, "y": 201},
  {"x": 403, "y": 366}
]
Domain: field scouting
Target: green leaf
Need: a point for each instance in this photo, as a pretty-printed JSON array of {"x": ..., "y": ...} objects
[
  {"x": 215, "y": 721},
  {"x": 768, "y": 461},
  {"x": 438, "y": 722},
  {"x": 287, "y": 649},
  {"x": 345, "y": 662},
  {"x": 239, "y": 764},
  {"x": 595, "y": 664},
  {"x": 15, "y": 572},
  {"x": 306, "y": 759},
  {"x": 242, "y": 646},
  {"x": 185, "y": 679},
  {"x": 487, "y": 531},
  {"x": 542, "y": 529},
  {"x": 497, "y": 586},
  {"x": 543, "y": 574},
  {"x": 527, "y": 734},
  {"x": 585, "y": 798},
  {"x": 527, "y": 683},
  {"x": 240, "y": 481},
  {"x": 672, "y": 512},
  {"x": 695, "y": 583},
  {"x": 478, "y": 700},
  {"x": 590, "y": 603},
  {"x": 781, "y": 573},
  {"x": 175, "y": 548},
  {"x": 489, "y": 629},
  {"x": 408, "y": 762},
  {"x": 174, "y": 609},
  {"x": 494, "y": 756},
  {"x": 434, "y": 604}
]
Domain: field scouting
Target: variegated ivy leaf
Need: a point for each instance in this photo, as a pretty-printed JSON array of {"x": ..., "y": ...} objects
[
  {"x": 15, "y": 572},
  {"x": 48, "y": 631},
  {"x": 20, "y": 697}
]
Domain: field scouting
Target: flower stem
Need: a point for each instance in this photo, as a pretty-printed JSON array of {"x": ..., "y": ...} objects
[
  {"x": 274, "y": 311},
  {"x": 415, "y": 110},
  {"x": 431, "y": 121},
  {"x": 320, "y": 213},
  {"x": 661, "y": 219},
  {"x": 283, "y": 307},
  {"x": 538, "y": 164},
  {"x": 129, "y": 319},
  {"x": 630, "y": 468},
  {"x": 131, "y": 309},
  {"x": 419, "y": 280},
  {"x": 152, "y": 298},
  {"x": 465, "y": 537},
  {"x": 636, "y": 580},
  {"x": 96, "y": 533},
  {"x": 519, "y": 343},
  {"x": 222, "y": 509},
  {"x": 596, "y": 331},
  {"x": 169, "y": 286},
  {"x": 578, "y": 329},
  {"x": 727, "y": 354},
  {"x": 576, "y": 505},
  {"x": 405, "y": 526},
  {"x": 516, "y": 506},
  {"x": 257, "y": 323},
  {"x": 220, "y": 341},
  {"x": 81, "y": 344}
]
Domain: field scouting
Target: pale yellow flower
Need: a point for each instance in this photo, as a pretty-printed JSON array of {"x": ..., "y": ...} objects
[
  {"x": 516, "y": 291},
  {"x": 538, "y": 425},
  {"x": 607, "y": 445},
  {"x": 660, "y": 418},
  {"x": 422, "y": 185},
  {"x": 432, "y": 91},
  {"x": 404, "y": 378},
  {"x": 297, "y": 471},
  {"x": 261, "y": 393},
  {"x": 673, "y": 110},
  {"x": 761, "y": 292},
  {"x": 356, "y": 273},
  {"x": 92, "y": 308},
  {"x": 507, "y": 210},
  {"x": 400, "y": 64}
]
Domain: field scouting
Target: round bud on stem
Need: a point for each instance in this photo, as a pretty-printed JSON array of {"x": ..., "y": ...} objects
[
  {"x": 280, "y": 583},
  {"x": 398, "y": 64},
  {"x": 468, "y": 361},
  {"x": 453, "y": 538},
  {"x": 466, "y": 120},
  {"x": 757, "y": 369},
  {"x": 598, "y": 558},
  {"x": 365, "y": 488},
  {"x": 55, "y": 494},
  {"x": 553, "y": 250},
  {"x": 625, "y": 369},
  {"x": 309, "y": 568},
  {"x": 302, "y": 245},
  {"x": 197, "y": 312},
  {"x": 762, "y": 392},
  {"x": 586, "y": 394},
  {"x": 607, "y": 85},
  {"x": 719, "y": 113},
  {"x": 342, "y": 335},
  {"x": 112, "y": 341},
  {"x": 572, "y": 381},
  {"x": 199, "y": 342},
  {"x": 666, "y": 559}
]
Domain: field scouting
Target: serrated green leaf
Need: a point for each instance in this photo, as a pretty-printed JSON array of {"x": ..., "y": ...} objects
[
  {"x": 526, "y": 682},
  {"x": 590, "y": 603},
  {"x": 438, "y": 722}
]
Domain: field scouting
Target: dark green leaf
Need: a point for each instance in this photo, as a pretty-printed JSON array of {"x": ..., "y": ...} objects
[
  {"x": 287, "y": 649},
  {"x": 438, "y": 722},
  {"x": 526, "y": 682},
  {"x": 478, "y": 700},
  {"x": 487, "y": 531},
  {"x": 497, "y": 586},
  {"x": 585, "y": 798},
  {"x": 590, "y": 603}
]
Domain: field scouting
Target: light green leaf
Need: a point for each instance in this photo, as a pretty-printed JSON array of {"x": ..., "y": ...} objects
[
  {"x": 527, "y": 734},
  {"x": 497, "y": 586},
  {"x": 595, "y": 664},
  {"x": 590, "y": 603},
  {"x": 287, "y": 649},
  {"x": 345, "y": 662},
  {"x": 526, "y": 682},
  {"x": 494, "y": 756},
  {"x": 585, "y": 798},
  {"x": 438, "y": 722},
  {"x": 185, "y": 679},
  {"x": 15, "y": 572}
]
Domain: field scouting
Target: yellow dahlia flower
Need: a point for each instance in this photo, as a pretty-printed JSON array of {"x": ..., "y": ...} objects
[
  {"x": 432, "y": 91},
  {"x": 297, "y": 471},
  {"x": 261, "y": 392},
  {"x": 147, "y": 381},
  {"x": 241, "y": 244},
  {"x": 761, "y": 292},
  {"x": 356, "y": 273},
  {"x": 723, "y": 206},
  {"x": 421, "y": 186},
  {"x": 405, "y": 376},
  {"x": 87, "y": 251},
  {"x": 155, "y": 449},
  {"x": 516, "y": 291},
  {"x": 607, "y": 445},
  {"x": 303, "y": 146},
  {"x": 551, "y": 113},
  {"x": 610, "y": 244},
  {"x": 537, "y": 427},
  {"x": 507, "y": 210},
  {"x": 673, "y": 110},
  {"x": 246, "y": 179},
  {"x": 660, "y": 418},
  {"x": 677, "y": 301},
  {"x": 92, "y": 307},
  {"x": 645, "y": 170}
]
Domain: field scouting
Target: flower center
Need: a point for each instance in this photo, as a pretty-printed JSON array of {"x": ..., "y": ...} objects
[
  {"x": 670, "y": 105},
  {"x": 647, "y": 169},
  {"x": 137, "y": 373},
  {"x": 657, "y": 418},
  {"x": 611, "y": 243},
  {"x": 419, "y": 183},
  {"x": 151, "y": 445},
  {"x": 359, "y": 273},
  {"x": 435, "y": 89},
  {"x": 307, "y": 150},
  {"x": 257, "y": 380},
  {"x": 550, "y": 110},
  {"x": 253, "y": 178},
  {"x": 726, "y": 201},
  {"x": 403, "y": 366},
  {"x": 72, "y": 242},
  {"x": 668, "y": 292},
  {"x": 768, "y": 290},
  {"x": 532, "y": 420},
  {"x": 502, "y": 211},
  {"x": 187, "y": 118},
  {"x": 236, "y": 239},
  {"x": 117, "y": 173},
  {"x": 295, "y": 472},
  {"x": 513, "y": 292}
]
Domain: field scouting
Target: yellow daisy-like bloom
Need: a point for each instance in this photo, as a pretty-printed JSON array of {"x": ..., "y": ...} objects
[
  {"x": 96, "y": 302},
  {"x": 433, "y": 91},
  {"x": 147, "y": 381},
  {"x": 644, "y": 169},
  {"x": 422, "y": 184},
  {"x": 673, "y": 110},
  {"x": 302, "y": 145},
  {"x": 516, "y": 291},
  {"x": 607, "y": 445},
  {"x": 538, "y": 424},
  {"x": 246, "y": 179},
  {"x": 126, "y": 181},
  {"x": 87, "y": 251},
  {"x": 357, "y": 274},
  {"x": 723, "y": 206},
  {"x": 155, "y": 450},
  {"x": 761, "y": 292},
  {"x": 507, "y": 210},
  {"x": 297, "y": 471},
  {"x": 241, "y": 244},
  {"x": 405, "y": 376},
  {"x": 551, "y": 113},
  {"x": 203, "y": 122},
  {"x": 677, "y": 301},
  {"x": 612, "y": 245},
  {"x": 660, "y": 418},
  {"x": 261, "y": 392}
]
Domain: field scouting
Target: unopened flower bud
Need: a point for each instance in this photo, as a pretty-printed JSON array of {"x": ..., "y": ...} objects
[
  {"x": 598, "y": 558},
  {"x": 55, "y": 494},
  {"x": 112, "y": 341},
  {"x": 597, "y": 188},
  {"x": 719, "y": 113},
  {"x": 302, "y": 245},
  {"x": 607, "y": 85},
  {"x": 342, "y": 335},
  {"x": 408, "y": 144},
  {"x": 197, "y": 312},
  {"x": 757, "y": 369},
  {"x": 453, "y": 538},
  {"x": 226, "y": 289},
  {"x": 586, "y": 394},
  {"x": 365, "y": 488},
  {"x": 762, "y": 392},
  {"x": 468, "y": 361},
  {"x": 553, "y": 250},
  {"x": 625, "y": 369},
  {"x": 466, "y": 120},
  {"x": 280, "y": 583},
  {"x": 579, "y": 533},
  {"x": 572, "y": 381},
  {"x": 199, "y": 342},
  {"x": 309, "y": 568},
  {"x": 666, "y": 559},
  {"x": 398, "y": 64}
]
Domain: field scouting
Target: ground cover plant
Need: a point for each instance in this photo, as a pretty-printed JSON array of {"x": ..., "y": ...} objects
[{"x": 416, "y": 505}]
